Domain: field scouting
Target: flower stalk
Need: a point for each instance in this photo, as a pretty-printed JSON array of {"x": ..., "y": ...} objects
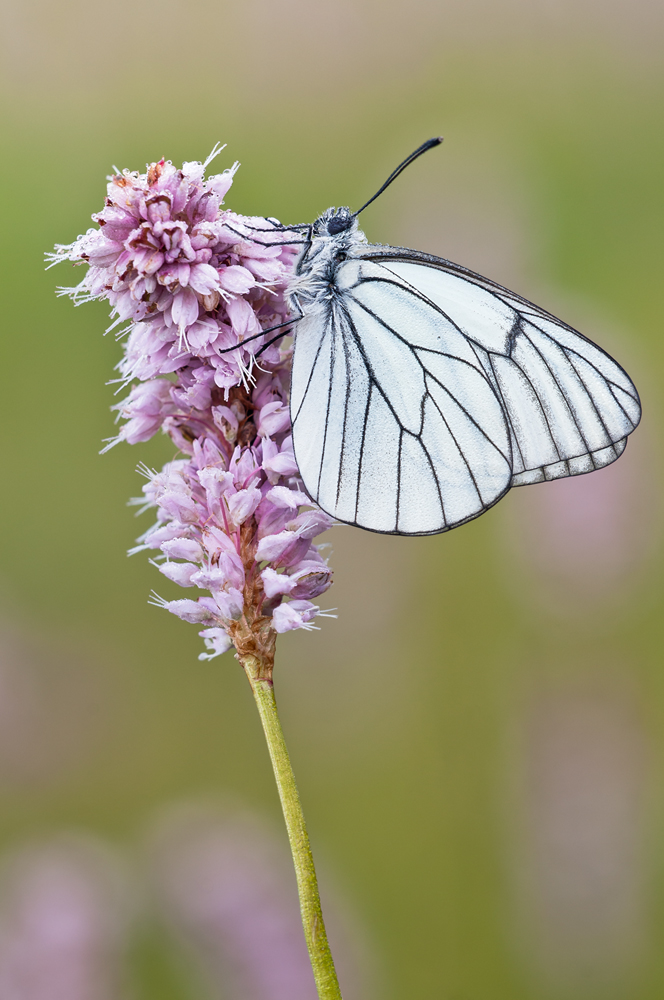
[{"x": 259, "y": 674}]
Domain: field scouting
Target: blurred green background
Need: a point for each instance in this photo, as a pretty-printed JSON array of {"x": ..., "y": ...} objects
[{"x": 478, "y": 738}]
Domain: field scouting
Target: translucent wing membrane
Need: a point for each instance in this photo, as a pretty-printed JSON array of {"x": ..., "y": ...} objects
[{"x": 421, "y": 392}]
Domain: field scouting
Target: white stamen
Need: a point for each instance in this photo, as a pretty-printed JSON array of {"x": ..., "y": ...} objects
[{"x": 214, "y": 154}]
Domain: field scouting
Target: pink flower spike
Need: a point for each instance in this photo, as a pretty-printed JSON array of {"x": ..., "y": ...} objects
[{"x": 192, "y": 280}]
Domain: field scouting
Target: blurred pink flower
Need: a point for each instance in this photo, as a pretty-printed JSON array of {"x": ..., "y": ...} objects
[
  {"x": 582, "y": 870},
  {"x": 225, "y": 888},
  {"x": 588, "y": 537},
  {"x": 64, "y": 914}
]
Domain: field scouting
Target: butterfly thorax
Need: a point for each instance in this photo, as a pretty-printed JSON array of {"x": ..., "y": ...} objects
[{"x": 334, "y": 237}]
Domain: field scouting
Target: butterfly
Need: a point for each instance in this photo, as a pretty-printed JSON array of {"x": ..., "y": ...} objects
[{"x": 422, "y": 392}]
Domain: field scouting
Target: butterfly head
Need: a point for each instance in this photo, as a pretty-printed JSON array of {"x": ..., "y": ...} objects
[
  {"x": 334, "y": 237},
  {"x": 335, "y": 222}
]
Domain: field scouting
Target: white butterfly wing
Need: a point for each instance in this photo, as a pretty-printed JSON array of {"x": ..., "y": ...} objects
[
  {"x": 397, "y": 426},
  {"x": 569, "y": 405}
]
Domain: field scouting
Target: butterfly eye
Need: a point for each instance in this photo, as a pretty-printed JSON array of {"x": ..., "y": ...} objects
[{"x": 338, "y": 224}]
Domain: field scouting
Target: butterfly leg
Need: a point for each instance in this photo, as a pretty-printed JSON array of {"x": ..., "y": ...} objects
[{"x": 255, "y": 336}]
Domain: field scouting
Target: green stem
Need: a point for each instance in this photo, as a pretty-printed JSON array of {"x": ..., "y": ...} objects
[{"x": 320, "y": 955}]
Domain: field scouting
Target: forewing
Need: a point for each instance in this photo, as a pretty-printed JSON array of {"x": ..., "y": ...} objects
[
  {"x": 396, "y": 426},
  {"x": 570, "y": 406}
]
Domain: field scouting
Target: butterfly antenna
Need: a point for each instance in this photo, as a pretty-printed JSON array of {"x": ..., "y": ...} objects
[{"x": 429, "y": 144}]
